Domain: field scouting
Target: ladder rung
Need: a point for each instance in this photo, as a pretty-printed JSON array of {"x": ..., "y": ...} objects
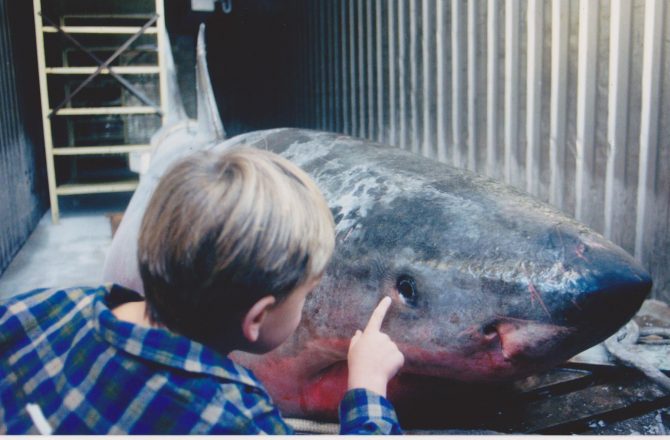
[
  {"x": 145, "y": 16},
  {"x": 107, "y": 149},
  {"x": 100, "y": 29},
  {"x": 122, "y": 70},
  {"x": 104, "y": 111},
  {"x": 91, "y": 188}
]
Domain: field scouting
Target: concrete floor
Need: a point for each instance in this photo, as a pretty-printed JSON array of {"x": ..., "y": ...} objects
[{"x": 70, "y": 253}]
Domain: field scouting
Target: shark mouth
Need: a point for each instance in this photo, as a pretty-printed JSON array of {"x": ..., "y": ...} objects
[
  {"x": 504, "y": 349},
  {"x": 529, "y": 341}
]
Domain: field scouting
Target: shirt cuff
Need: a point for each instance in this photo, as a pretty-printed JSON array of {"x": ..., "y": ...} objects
[{"x": 365, "y": 412}]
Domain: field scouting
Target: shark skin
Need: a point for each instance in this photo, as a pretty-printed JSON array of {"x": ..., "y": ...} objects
[
  {"x": 502, "y": 285},
  {"x": 488, "y": 284}
]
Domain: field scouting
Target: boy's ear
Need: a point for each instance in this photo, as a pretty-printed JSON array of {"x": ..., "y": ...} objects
[{"x": 251, "y": 324}]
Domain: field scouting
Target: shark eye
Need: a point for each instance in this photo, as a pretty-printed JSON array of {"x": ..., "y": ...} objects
[{"x": 407, "y": 288}]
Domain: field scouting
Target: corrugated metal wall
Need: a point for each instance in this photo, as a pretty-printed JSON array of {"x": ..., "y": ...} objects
[
  {"x": 567, "y": 99},
  {"x": 23, "y": 194}
]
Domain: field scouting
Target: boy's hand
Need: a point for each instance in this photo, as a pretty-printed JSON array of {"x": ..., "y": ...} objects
[{"x": 373, "y": 357}]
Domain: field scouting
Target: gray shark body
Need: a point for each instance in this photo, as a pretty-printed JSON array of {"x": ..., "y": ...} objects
[{"x": 488, "y": 283}]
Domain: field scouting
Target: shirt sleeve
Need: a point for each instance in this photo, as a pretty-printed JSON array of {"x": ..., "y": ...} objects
[{"x": 365, "y": 412}]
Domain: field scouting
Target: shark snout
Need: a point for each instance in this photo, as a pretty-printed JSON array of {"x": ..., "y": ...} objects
[
  {"x": 608, "y": 291},
  {"x": 583, "y": 301},
  {"x": 610, "y": 297}
]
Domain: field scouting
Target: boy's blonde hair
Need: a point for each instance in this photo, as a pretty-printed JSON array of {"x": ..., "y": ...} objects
[{"x": 223, "y": 230}]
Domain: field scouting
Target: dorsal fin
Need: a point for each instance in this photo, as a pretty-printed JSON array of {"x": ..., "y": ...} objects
[
  {"x": 210, "y": 127},
  {"x": 175, "y": 107}
]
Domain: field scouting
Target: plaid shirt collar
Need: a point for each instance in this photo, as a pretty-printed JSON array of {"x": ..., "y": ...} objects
[{"x": 161, "y": 345}]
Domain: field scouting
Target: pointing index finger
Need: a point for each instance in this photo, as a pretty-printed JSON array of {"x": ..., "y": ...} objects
[{"x": 375, "y": 322}]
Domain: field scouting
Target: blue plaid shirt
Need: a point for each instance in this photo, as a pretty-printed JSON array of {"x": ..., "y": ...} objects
[{"x": 89, "y": 372}]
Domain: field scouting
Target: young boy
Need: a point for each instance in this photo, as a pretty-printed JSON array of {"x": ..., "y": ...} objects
[{"x": 230, "y": 246}]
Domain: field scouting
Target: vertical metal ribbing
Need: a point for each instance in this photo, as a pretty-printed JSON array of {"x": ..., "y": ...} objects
[
  {"x": 11, "y": 108},
  {"x": 353, "y": 69},
  {"x": 4, "y": 123},
  {"x": 5, "y": 143},
  {"x": 296, "y": 95},
  {"x": 330, "y": 61},
  {"x": 558, "y": 106},
  {"x": 428, "y": 66},
  {"x": 320, "y": 61},
  {"x": 457, "y": 67},
  {"x": 7, "y": 129},
  {"x": 617, "y": 124},
  {"x": 442, "y": 60},
  {"x": 308, "y": 86},
  {"x": 361, "y": 83},
  {"x": 492, "y": 89},
  {"x": 381, "y": 91},
  {"x": 371, "y": 76},
  {"x": 392, "y": 67},
  {"x": 473, "y": 92},
  {"x": 318, "y": 56},
  {"x": 306, "y": 61},
  {"x": 328, "y": 25},
  {"x": 16, "y": 217},
  {"x": 586, "y": 99},
  {"x": 512, "y": 24},
  {"x": 5, "y": 160},
  {"x": 337, "y": 125},
  {"x": 7, "y": 105},
  {"x": 11, "y": 150},
  {"x": 651, "y": 79},
  {"x": 334, "y": 89},
  {"x": 309, "y": 83},
  {"x": 299, "y": 85},
  {"x": 316, "y": 60},
  {"x": 534, "y": 94},
  {"x": 323, "y": 80},
  {"x": 346, "y": 78},
  {"x": 6, "y": 139},
  {"x": 403, "y": 83},
  {"x": 414, "y": 76}
]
